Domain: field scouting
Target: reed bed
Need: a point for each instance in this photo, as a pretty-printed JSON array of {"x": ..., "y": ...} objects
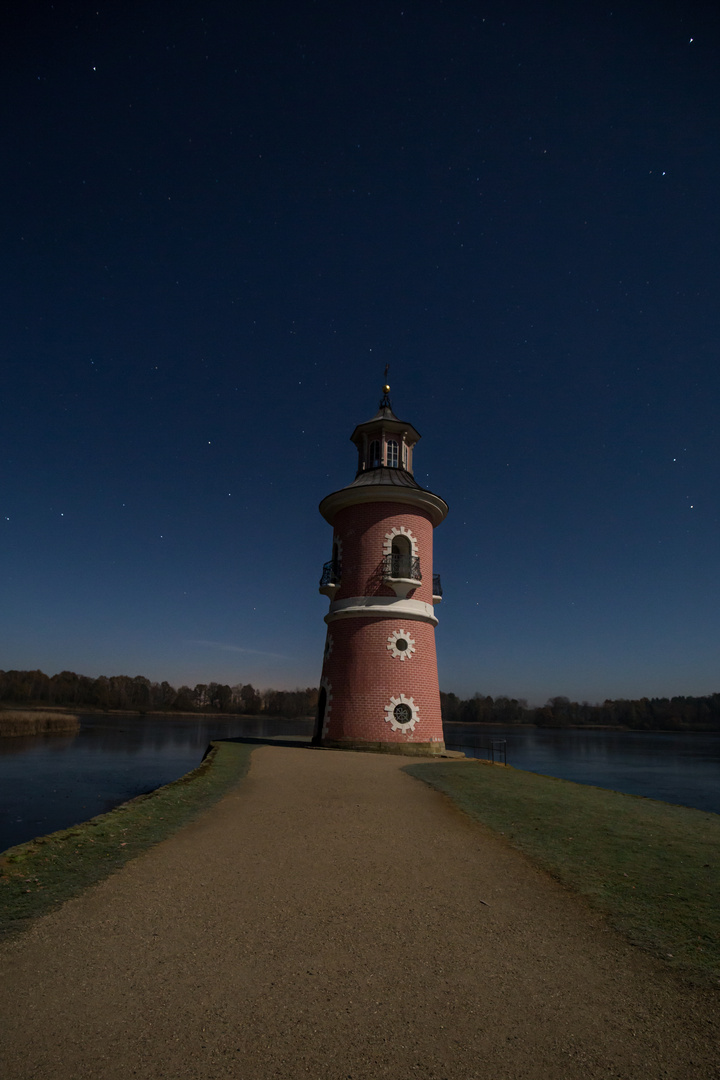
[{"x": 27, "y": 722}]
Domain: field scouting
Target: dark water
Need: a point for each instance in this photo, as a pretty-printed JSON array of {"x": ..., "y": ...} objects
[
  {"x": 50, "y": 782},
  {"x": 676, "y": 767},
  {"x": 54, "y": 781}
]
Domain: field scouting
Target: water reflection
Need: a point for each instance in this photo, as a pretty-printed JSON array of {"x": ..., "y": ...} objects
[{"x": 23, "y": 744}]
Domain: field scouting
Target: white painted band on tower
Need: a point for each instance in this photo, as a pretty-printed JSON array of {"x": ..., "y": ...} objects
[{"x": 355, "y": 607}]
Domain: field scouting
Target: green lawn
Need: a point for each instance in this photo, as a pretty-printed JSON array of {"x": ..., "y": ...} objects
[
  {"x": 651, "y": 867},
  {"x": 38, "y": 876}
]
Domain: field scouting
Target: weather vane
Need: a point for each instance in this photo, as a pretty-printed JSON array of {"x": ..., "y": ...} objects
[{"x": 385, "y": 402}]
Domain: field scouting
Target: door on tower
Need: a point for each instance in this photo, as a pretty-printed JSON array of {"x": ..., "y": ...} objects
[{"x": 320, "y": 719}]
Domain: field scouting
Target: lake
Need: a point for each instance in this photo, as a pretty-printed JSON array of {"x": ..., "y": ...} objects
[
  {"x": 677, "y": 767},
  {"x": 52, "y": 782}
]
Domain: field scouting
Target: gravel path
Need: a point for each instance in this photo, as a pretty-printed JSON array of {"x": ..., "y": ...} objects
[{"x": 334, "y": 918}]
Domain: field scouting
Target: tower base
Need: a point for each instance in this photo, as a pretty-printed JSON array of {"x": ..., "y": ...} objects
[{"x": 409, "y": 749}]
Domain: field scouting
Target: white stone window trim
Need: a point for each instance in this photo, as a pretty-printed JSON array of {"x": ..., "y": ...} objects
[
  {"x": 328, "y": 646},
  {"x": 392, "y": 719},
  {"x": 395, "y": 532},
  {"x": 400, "y": 654},
  {"x": 327, "y": 687}
]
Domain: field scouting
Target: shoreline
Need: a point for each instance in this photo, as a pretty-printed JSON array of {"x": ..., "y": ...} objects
[
  {"x": 84, "y": 711},
  {"x": 587, "y": 727},
  {"x": 39, "y": 875},
  {"x": 170, "y": 715}
]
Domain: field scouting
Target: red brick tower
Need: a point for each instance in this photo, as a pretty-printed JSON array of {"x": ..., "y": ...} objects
[{"x": 379, "y": 685}]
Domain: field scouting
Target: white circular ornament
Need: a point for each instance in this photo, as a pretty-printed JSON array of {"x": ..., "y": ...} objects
[
  {"x": 401, "y": 645},
  {"x": 402, "y": 713}
]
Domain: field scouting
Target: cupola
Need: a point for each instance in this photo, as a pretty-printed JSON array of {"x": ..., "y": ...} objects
[{"x": 384, "y": 442}]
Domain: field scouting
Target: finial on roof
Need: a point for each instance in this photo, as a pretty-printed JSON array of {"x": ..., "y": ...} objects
[{"x": 385, "y": 401}]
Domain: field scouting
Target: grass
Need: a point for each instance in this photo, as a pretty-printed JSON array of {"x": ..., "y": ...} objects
[
  {"x": 652, "y": 868},
  {"x": 40, "y": 875},
  {"x": 28, "y": 722}
]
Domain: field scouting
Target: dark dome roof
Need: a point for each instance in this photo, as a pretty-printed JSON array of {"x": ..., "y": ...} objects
[{"x": 385, "y": 478}]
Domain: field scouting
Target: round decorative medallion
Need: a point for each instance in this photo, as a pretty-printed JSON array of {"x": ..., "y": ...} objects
[
  {"x": 401, "y": 645},
  {"x": 402, "y": 713}
]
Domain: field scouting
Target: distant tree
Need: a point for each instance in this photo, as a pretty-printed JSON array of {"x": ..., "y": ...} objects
[
  {"x": 508, "y": 710},
  {"x": 219, "y": 697},
  {"x": 561, "y": 712},
  {"x": 121, "y": 689},
  {"x": 140, "y": 692},
  {"x": 166, "y": 695},
  {"x": 450, "y": 706},
  {"x": 251, "y": 701},
  {"x": 65, "y": 687},
  {"x": 102, "y": 692},
  {"x": 184, "y": 700}
]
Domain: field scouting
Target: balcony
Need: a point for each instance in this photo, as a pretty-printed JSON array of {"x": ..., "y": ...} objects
[
  {"x": 330, "y": 578},
  {"x": 402, "y": 573}
]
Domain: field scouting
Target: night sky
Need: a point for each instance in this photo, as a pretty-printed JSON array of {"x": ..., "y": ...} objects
[{"x": 221, "y": 220}]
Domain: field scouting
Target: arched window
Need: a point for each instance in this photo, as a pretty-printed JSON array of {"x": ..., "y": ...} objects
[
  {"x": 392, "y": 454},
  {"x": 401, "y": 557},
  {"x": 374, "y": 454}
]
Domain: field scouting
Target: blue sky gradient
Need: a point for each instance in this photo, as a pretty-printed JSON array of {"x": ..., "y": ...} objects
[{"x": 222, "y": 221}]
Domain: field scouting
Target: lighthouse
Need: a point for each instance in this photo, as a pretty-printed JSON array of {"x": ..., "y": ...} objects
[{"x": 379, "y": 685}]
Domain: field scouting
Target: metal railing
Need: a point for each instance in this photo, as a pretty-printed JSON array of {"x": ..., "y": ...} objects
[
  {"x": 402, "y": 566},
  {"x": 437, "y": 585},
  {"x": 331, "y": 573}
]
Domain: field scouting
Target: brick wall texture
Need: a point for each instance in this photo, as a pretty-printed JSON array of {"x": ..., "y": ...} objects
[
  {"x": 361, "y": 672},
  {"x": 362, "y": 530}
]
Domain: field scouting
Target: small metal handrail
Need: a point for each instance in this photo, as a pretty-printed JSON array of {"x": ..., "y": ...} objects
[
  {"x": 331, "y": 573},
  {"x": 402, "y": 566},
  {"x": 437, "y": 585}
]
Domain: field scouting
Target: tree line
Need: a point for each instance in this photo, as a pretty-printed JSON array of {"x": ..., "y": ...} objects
[
  {"x": 644, "y": 714},
  {"x": 139, "y": 694}
]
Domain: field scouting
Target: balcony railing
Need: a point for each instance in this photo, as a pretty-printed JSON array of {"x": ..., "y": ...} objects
[
  {"x": 330, "y": 573},
  {"x": 437, "y": 585},
  {"x": 402, "y": 566}
]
